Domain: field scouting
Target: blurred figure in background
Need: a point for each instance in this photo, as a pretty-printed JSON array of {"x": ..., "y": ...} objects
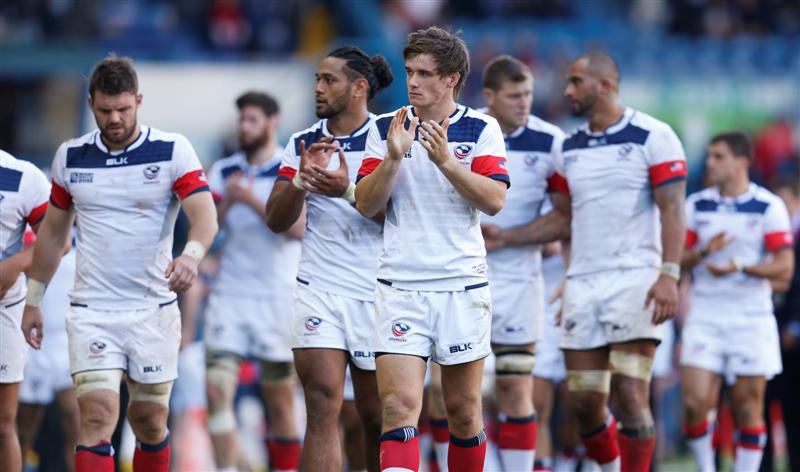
[
  {"x": 738, "y": 240},
  {"x": 47, "y": 375},
  {"x": 250, "y": 296}
]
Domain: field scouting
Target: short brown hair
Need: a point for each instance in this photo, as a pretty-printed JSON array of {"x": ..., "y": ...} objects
[
  {"x": 113, "y": 76},
  {"x": 447, "y": 49},
  {"x": 504, "y": 68},
  {"x": 738, "y": 142},
  {"x": 261, "y": 100}
]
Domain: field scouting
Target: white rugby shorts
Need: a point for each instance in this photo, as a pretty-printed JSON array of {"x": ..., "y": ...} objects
[
  {"x": 732, "y": 345},
  {"x": 450, "y": 327},
  {"x": 143, "y": 342},
  {"x": 517, "y": 311},
  {"x": 326, "y": 320},
  {"x": 250, "y": 327},
  {"x": 608, "y": 308}
]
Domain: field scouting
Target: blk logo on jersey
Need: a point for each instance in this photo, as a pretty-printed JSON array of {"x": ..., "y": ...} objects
[
  {"x": 117, "y": 161},
  {"x": 97, "y": 347},
  {"x": 462, "y": 150},
  {"x": 312, "y": 323},
  {"x": 151, "y": 172},
  {"x": 81, "y": 177}
]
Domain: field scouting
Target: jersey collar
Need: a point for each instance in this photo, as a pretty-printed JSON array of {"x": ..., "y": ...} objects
[
  {"x": 748, "y": 195},
  {"x": 360, "y": 130},
  {"x": 626, "y": 117},
  {"x": 460, "y": 111},
  {"x": 144, "y": 133}
]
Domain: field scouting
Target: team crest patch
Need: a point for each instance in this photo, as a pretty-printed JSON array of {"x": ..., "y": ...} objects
[
  {"x": 151, "y": 172},
  {"x": 462, "y": 150},
  {"x": 312, "y": 323},
  {"x": 531, "y": 159},
  {"x": 97, "y": 347},
  {"x": 400, "y": 328}
]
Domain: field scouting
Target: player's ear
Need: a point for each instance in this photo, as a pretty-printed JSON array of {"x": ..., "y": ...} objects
[
  {"x": 453, "y": 79},
  {"x": 488, "y": 96},
  {"x": 138, "y": 99},
  {"x": 362, "y": 87},
  {"x": 90, "y": 101}
]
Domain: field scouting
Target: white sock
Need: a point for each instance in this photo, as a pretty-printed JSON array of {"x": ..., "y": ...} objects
[
  {"x": 517, "y": 459},
  {"x": 613, "y": 466},
  {"x": 747, "y": 459},
  {"x": 440, "y": 448},
  {"x": 702, "y": 451}
]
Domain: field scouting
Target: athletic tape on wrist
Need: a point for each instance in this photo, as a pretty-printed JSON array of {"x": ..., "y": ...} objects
[
  {"x": 298, "y": 181},
  {"x": 350, "y": 193},
  {"x": 671, "y": 269},
  {"x": 195, "y": 250},
  {"x": 35, "y": 292}
]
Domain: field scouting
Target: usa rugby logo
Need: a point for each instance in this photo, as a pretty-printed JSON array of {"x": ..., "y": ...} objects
[
  {"x": 312, "y": 323},
  {"x": 462, "y": 150},
  {"x": 97, "y": 347},
  {"x": 400, "y": 328},
  {"x": 151, "y": 172}
]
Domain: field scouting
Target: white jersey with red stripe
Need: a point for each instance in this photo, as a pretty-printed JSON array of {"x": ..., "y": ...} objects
[
  {"x": 254, "y": 262},
  {"x": 126, "y": 203},
  {"x": 432, "y": 238},
  {"x": 611, "y": 176},
  {"x": 23, "y": 200},
  {"x": 756, "y": 223},
  {"x": 531, "y": 149},
  {"x": 340, "y": 247}
]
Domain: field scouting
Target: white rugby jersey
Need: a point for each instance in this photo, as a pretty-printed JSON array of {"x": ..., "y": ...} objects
[
  {"x": 340, "y": 247},
  {"x": 758, "y": 223},
  {"x": 432, "y": 238},
  {"x": 255, "y": 262},
  {"x": 23, "y": 200},
  {"x": 530, "y": 150},
  {"x": 125, "y": 203},
  {"x": 611, "y": 176}
]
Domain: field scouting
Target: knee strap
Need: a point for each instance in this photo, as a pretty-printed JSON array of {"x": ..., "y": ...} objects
[
  {"x": 519, "y": 362},
  {"x": 222, "y": 371},
  {"x": 92, "y": 380},
  {"x": 589, "y": 381},
  {"x": 156, "y": 393},
  {"x": 631, "y": 364}
]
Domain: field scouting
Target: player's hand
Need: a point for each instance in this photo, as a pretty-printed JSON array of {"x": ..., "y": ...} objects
[
  {"x": 664, "y": 293},
  {"x": 718, "y": 243},
  {"x": 331, "y": 183},
  {"x": 181, "y": 272},
  {"x": 32, "y": 326},
  {"x": 9, "y": 273},
  {"x": 318, "y": 154},
  {"x": 492, "y": 237},
  {"x": 433, "y": 138},
  {"x": 722, "y": 270},
  {"x": 399, "y": 139},
  {"x": 558, "y": 296},
  {"x": 239, "y": 190}
]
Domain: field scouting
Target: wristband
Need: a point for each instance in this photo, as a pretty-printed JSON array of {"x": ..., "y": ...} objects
[
  {"x": 738, "y": 265},
  {"x": 350, "y": 193},
  {"x": 195, "y": 250},
  {"x": 671, "y": 269},
  {"x": 298, "y": 181},
  {"x": 35, "y": 293}
]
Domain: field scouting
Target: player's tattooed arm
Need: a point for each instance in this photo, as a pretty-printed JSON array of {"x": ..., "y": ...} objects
[{"x": 670, "y": 199}]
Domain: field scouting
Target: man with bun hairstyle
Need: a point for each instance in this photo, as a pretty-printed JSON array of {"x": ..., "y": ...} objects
[{"x": 333, "y": 322}]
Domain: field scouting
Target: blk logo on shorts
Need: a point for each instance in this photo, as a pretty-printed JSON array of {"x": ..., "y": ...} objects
[
  {"x": 3, "y": 367},
  {"x": 570, "y": 325},
  {"x": 464, "y": 347},
  {"x": 97, "y": 347},
  {"x": 312, "y": 323},
  {"x": 152, "y": 369},
  {"x": 363, "y": 354}
]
